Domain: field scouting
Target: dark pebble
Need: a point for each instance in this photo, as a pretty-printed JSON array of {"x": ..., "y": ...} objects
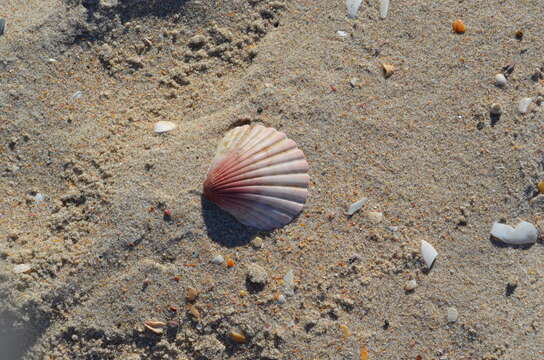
[{"x": 2, "y": 26}]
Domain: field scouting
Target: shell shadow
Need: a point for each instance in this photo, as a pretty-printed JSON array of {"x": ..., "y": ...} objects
[
  {"x": 223, "y": 228},
  {"x": 499, "y": 244}
]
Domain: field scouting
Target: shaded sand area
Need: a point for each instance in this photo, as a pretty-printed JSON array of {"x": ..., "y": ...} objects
[{"x": 85, "y": 182}]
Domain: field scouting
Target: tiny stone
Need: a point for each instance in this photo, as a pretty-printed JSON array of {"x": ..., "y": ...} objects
[
  {"x": 523, "y": 106},
  {"x": 2, "y": 26},
  {"x": 341, "y": 33},
  {"x": 539, "y": 100},
  {"x": 537, "y": 75},
  {"x": 197, "y": 41},
  {"x": 453, "y": 314},
  {"x": 281, "y": 299},
  {"x": 257, "y": 242},
  {"x": 375, "y": 216},
  {"x": 218, "y": 260},
  {"x": 257, "y": 276},
  {"x": 410, "y": 285},
  {"x": 22, "y": 269},
  {"x": 495, "y": 109},
  {"x": 500, "y": 80}
]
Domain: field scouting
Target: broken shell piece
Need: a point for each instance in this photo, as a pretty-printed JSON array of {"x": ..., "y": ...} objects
[
  {"x": 523, "y": 106},
  {"x": 384, "y": 8},
  {"x": 237, "y": 337},
  {"x": 22, "y": 269},
  {"x": 259, "y": 176},
  {"x": 356, "y": 206},
  {"x": 352, "y": 7},
  {"x": 524, "y": 233},
  {"x": 164, "y": 126},
  {"x": 388, "y": 70},
  {"x": 154, "y": 326},
  {"x": 429, "y": 253}
]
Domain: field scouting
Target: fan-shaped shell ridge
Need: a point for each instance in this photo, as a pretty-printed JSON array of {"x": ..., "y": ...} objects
[{"x": 259, "y": 176}]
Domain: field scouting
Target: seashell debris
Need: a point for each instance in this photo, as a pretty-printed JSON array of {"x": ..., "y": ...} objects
[
  {"x": 259, "y": 176},
  {"x": 164, "y": 126},
  {"x": 352, "y": 7},
  {"x": 341, "y": 33},
  {"x": 429, "y": 253},
  {"x": 524, "y": 233},
  {"x": 22, "y": 269},
  {"x": 453, "y": 314},
  {"x": 384, "y": 8},
  {"x": 388, "y": 70},
  {"x": 353, "y": 208},
  {"x": 524, "y": 103},
  {"x": 500, "y": 80}
]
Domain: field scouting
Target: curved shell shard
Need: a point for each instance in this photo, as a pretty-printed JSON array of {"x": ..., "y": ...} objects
[{"x": 259, "y": 176}]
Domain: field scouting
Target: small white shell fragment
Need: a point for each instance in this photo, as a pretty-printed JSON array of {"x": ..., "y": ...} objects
[
  {"x": 353, "y": 7},
  {"x": 410, "y": 285},
  {"x": 289, "y": 283},
  {"x": 22, "y": 269},
  {"x": 453, "y": 314},
  {"x": 375, "y": 216},
  {"x": 429, "y": 253},
  {"x": 164, "y": 126},
  {"x": 384, "y": 8},
  {"x": 356, "y": 206},
  {"x": 342, "y": 33},
  {"x": 500, "y": 80},
  {"x": 77, "y": 95},
  {"x": 524, "y": 233},
  {"x": 524, "y": 103},
  {"x": 38, "y": 198},
  {"x": 51, "y": 60},
  {"x": 218, "y": 260}
]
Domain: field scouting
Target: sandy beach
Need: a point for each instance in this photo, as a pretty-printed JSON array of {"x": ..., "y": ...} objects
[{"x": 109, "y": 250}]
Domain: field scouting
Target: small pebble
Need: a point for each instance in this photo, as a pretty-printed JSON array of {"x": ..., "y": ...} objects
[
  {"x": 523, "y": 106},
  {"x": 22, "y": 269},
  {"x": 495, "y": 109},
  {"x": 342, "y": 34},
  {"x": 77, "y": 95},
  {"x": 453, "y": 314},
  {"x": 375, "y": 216},
  {"x": 51, "y": 60},
  {"x": 354, "y": 82},
  {"x": 500, "y": 80},
  {"x": 410, "y": 285},
  {"x": 388, "y": 70},
  {"x": 218, "y": 260},
  {"x": 356, "y": 206},
  {"x": 458, "y": 26},
  {"x": 230, "y": 263},
  {"x": 539, "y": 100},
  {"x": 540, "y": 187},
  {"x": 38, "y": 198},
  {"x": 2, "y": 26},
  {"x": 257, "y": 243},
  {"x": 257, "y": 275}
]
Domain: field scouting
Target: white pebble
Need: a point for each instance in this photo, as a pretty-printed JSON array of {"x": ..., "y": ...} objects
[
  {"x": 500, "y": 80},
  {"x": 164, "y": 126},
  {"x": 524, "y": 103},
  {"x": 21, "y": 268},
  {"x": 77, "y": 95},
  {"x": 453, "y": 314},
  {"x": 342, "y": 33},
  {"x": 410, "y": 285},
  {"x": 218, "y": 260}
]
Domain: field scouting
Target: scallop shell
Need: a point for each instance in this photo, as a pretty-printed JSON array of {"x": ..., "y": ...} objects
[{"x": 259, "y": 176}]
